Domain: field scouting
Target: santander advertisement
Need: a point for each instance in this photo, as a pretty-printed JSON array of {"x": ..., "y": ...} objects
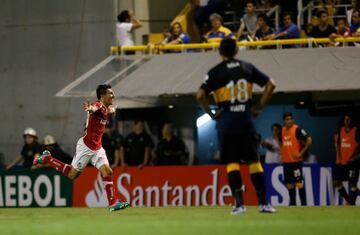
[
  {"x": 199, "y": 186},
  {"x": 162, "y": 186}
]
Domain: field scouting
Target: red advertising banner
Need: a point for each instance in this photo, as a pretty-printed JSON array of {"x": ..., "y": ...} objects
[{"x": 162, "y": 186}]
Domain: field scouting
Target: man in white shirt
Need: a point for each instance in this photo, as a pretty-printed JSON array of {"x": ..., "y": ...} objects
[
  {"x": 124, "y": 28},
  {"x": 273, "y": 145}
]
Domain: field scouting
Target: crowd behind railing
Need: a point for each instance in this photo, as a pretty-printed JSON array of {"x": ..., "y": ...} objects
[{"x": 253, "y": 27}]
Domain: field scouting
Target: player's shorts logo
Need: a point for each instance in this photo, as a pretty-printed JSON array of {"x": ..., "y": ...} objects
[{"x": 79, "y": 164}]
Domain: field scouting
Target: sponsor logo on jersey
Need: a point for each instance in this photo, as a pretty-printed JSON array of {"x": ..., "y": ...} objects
[
  {"x": 287, "y": 141},
  {"x": 232, "y": 65}
]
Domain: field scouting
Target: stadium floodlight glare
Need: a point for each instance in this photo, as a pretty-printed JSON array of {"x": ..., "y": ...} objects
[{"x": 203, "y": 119}]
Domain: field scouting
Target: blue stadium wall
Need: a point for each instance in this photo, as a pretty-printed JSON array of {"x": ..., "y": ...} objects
[{"x": 322, "y": 130}]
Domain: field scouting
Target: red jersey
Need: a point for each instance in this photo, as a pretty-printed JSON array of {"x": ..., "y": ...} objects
[{"x": 95, "y": 126}]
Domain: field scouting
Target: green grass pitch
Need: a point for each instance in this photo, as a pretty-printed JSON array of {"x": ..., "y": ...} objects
[{"x": 202, "y": 221}]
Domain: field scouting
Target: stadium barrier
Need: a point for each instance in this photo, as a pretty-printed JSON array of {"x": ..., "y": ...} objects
[
  {"x": 206, "y": 46},
  {"x": 158, "y": 186}
]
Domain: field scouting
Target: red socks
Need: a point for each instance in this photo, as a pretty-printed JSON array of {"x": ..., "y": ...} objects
[
  {"x": 109, "y": 188},
  {"x": 65, "y": 169},
  {"x": 58, "y": 165}
]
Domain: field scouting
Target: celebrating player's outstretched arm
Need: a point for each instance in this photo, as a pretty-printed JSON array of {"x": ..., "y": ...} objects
[{"x": 88, "y": 107}]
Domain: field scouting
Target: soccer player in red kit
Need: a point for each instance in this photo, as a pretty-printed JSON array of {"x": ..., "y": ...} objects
[{"x": 89, "y": 148}]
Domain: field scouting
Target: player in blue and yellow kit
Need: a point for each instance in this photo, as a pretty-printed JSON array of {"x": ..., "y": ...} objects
[{"x": 231, "y": 83}]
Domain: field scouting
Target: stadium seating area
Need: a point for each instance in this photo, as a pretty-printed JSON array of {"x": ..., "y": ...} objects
[{"x": 194, "y": 22}]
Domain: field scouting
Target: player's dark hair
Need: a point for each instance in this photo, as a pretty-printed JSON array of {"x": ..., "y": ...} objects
[
  {"x": 265, "y": 18},
  {"x": 319, "y": 13},
  {"x": 287, "y": 114},
  {"x": 123, "y": 16},
  {"x": 101, "y": 90},
  {"x": 277, "y": 125},
  {"x": 228, "y": 47}
]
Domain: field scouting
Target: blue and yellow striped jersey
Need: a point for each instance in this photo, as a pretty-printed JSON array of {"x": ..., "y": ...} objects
[
  {"x": 231, "y": 84},
  {"x": 218, "y": 35}
]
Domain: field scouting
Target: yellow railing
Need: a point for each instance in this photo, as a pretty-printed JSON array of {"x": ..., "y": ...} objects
[{"x": 184, "y": 47}]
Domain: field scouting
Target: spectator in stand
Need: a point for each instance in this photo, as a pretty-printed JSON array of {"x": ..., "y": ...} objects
[
  {"x": 112, "y": 142},
  {"x": 355, "y": 23},
  {"x": 273, "y": 145},
  {"x": 323, "y": 29},
  {"x": 166, "y": 33},
  {"x": 262, "y": 29},
  {"x": 124, "y": 28},
  {"x": 50, "y": 144},
  {"x": 342, "y": 31},
  {"x": 354, "y": 5},
  {"x": 177, "y": 35},
  {"x": 289, "y": 31},
  {"x": 248, "y": 21},
  {"x": 30, "y": 149},
  {"x": 329, "y": 7},
  {"x": 136, "y": 149},
  {"x": 204, "y": 10},
  {"x": 170, "y": 150},
  {"x": 218, "y": 32}
]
